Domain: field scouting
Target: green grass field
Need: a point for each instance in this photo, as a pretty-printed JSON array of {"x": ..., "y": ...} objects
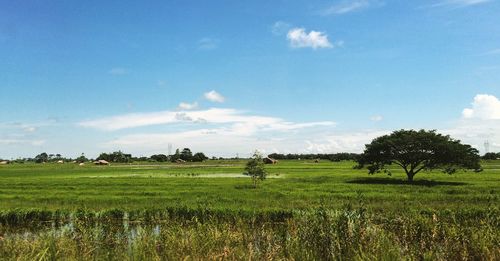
[
  {"x": 209, "y": 210},
  {"x": 220, "y": 184}
]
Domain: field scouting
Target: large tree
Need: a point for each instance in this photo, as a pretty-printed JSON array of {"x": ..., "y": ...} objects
[{"x": 416, "y": 151}]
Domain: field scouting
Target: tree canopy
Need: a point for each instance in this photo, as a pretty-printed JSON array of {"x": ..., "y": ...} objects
[
  {"x": 117, "y": 156},
  {"x": 416, "y": 151},
  {"x": 42, "y": 157},
  {"x": 491, "y": 156}
]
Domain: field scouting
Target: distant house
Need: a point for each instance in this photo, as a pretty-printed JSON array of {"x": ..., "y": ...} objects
[
  {"x": 268, "y": 160},
  {"x": 81, "y": 164},
  {"x": 180, "y": 161},
  {"x": 5, "y": 162},
  {"x": 101, "y": 162},
  {"x": 60, "y": 162}
]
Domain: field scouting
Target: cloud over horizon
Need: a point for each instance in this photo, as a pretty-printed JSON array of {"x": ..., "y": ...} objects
[
  {"x": 209, "y": 116},
  {"x": 216, "y": 131},
  {"x": 485, "y": 107}
]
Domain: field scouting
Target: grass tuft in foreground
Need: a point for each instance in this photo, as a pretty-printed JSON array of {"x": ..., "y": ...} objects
[{"x": 323, "y": 234}]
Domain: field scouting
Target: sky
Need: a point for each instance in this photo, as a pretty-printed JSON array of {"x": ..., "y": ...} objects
[{"x": 230, "y": 77}]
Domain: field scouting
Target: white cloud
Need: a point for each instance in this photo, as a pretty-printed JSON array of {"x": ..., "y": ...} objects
[
  {"x": 214, "y": 131},
  {"x": 299, "y": 38},
  {"x": 214, "y": 96},
  {"x": 344, "y": 142},
  {"x": 280, "y": 28},
  {"x": 188, "y": 106},
  {"x": 229, "y": 141},
  {"x": 239, "y": 120},
  {"x": 208, "y": 43},
  {"x": 485, "y": 107},
  {"x": 117, "y": 71},
  {"x": 346, "y": 7},
  {"x": 376, "y": 118},
  {"x": 476, "y": 132}
]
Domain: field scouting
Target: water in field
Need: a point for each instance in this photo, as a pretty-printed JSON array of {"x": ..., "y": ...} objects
[{"x": 321, "y": 234}]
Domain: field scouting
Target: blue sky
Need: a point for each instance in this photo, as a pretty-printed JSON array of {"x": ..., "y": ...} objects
[{"x": 227, "y": 77}]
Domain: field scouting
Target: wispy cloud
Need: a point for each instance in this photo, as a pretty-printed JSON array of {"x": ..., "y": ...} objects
[
  {"x": 214, "y": 96},
  {"x": 492, "y": 52},
  {"x": 344, "y": 142},
  {"x": 460, "y": 3},
  {"x": 188, "y": 106},
  {"x": 280, "y": 28},
  {"x": 22, "y": 142},
  {"x": 238, "y": 119},
  {"x": 117, "y": 71},
  {"x": 224, "y": 141},
  {"x": 345, "y": 7},
  {"x": 376, "y": 118},
  {"x": 299, "y": 38},
  {"x": 207, "y": 43}
]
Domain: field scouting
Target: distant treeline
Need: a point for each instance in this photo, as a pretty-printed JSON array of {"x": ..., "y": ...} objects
[
  {"x": 491, "y": 156},
  {"x": 187, "y": 155},
  {"x": 119, "y": 157},
  {"x": 331, "y": 157}
]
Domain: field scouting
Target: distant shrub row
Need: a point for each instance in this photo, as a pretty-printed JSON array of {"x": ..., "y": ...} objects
[{"x": 331, "y": 157}]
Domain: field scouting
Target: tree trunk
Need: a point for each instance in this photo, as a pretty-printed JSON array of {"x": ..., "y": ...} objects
[{"x": 410, "y": 176}]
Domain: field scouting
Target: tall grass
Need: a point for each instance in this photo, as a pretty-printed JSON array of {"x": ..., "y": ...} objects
[{"x": 322, "y": 234}]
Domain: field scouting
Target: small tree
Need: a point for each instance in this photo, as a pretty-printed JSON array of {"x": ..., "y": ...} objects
[
  {"x": 176, "y": 156},
  {"x": 82, "y": 158},
  {"x": 186, "y": 154},
  {"x": 255, "y": 168},
  {"x": 415, "y": 151},
  {"x": 42, "y": 157},
  {"x": 159, "y": 157},
  {"x": 199, "y": 157}
]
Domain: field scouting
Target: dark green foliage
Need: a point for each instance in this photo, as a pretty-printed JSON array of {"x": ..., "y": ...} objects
[
  {"x": 117, "y": 157},
  {"x": 415, "y": 151},
  {"x": 81, "y": 159},
  {"x": 176, "y": 156},
  {"x": 199, "y": 157},
  {"x": 333, "y": 157},
  {"x": 491, "y": 156},
  {"x": 42, "y": 157},
  {"x": 159, "y": 158},
  {"x": 186, "y": 154}
]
